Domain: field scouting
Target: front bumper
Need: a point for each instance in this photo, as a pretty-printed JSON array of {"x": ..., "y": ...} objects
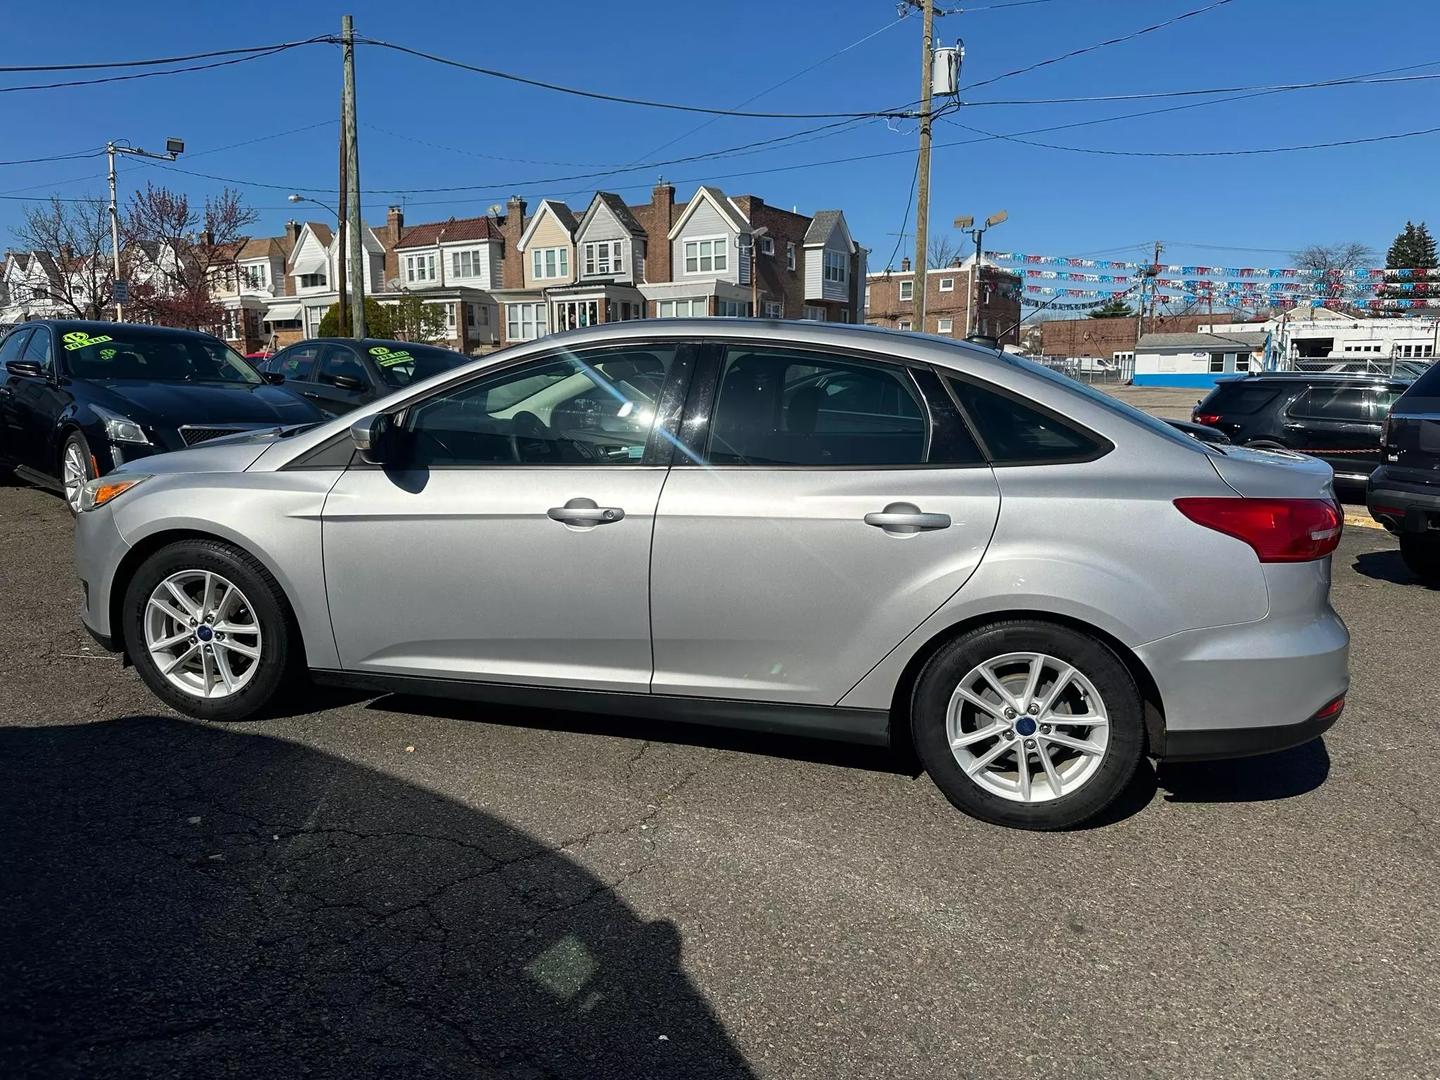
[
  {"x": 1403, "y": 505},
  {"x": 1248, "y": 689},
  {"x": 99, "y": 548}
]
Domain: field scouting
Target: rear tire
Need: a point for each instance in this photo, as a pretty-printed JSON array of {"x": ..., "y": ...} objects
[
  {"x": 1071, "y": 770},
  {"x": 224, "y": 667},
  {"x": 1421, "y": 553},
  {"x": 77, "y": 466}
]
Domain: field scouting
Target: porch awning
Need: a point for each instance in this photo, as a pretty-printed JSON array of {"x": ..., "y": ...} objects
[
  {"x": 283, "y": 313},
  {"x": 312, "y": 262}
]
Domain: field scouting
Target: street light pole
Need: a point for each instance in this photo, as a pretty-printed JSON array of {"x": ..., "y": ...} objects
[
  {"x": 173, "y": 149},
  {"x": 978, "y": 235}
]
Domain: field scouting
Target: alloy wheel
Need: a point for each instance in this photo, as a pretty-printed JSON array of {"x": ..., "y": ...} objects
[
  {"x": 73, "y": 474},
  {"x": 1027, "y": 727},
  {"x": 202, "y": 634}
]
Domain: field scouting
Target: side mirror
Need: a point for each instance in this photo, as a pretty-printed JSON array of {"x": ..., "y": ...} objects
[
  {"x": 374, "y": 436},
  {"x": 346, "y": 382},
  {"x": 24, "y": 367},
  {"x": 274, "y": 378}
]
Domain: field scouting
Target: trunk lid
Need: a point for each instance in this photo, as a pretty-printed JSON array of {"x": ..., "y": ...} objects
[{"x": 1274, "y": 474}]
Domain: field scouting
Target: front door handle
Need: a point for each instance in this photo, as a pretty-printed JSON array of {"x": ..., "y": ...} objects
[
  {"x": 585, "y": 512},
  {"x": 905, "y": 519}
]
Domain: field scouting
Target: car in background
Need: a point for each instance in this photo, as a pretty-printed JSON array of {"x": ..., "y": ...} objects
[
  {"x": 1210, "y": 435},
  {"x": 78, "y": 399},
  {"x": 1403, "y": 494},
  {"x": 1334, "y": 417},
  {"x": 340, "y": 374},
  {"x": 797, "y": 527}
]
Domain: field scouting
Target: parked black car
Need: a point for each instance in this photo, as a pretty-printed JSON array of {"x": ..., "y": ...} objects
[
  {"x": 340, "y": 374},
  {"x": 1335, "y": 417},
  {"x": 79, "y": 398},
  {"x": 1403, "y": 494}
]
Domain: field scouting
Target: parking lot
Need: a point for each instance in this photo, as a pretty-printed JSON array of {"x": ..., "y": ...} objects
[{"x": 403, "y": 887}]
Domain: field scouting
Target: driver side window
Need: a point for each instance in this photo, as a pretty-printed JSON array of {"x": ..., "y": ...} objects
[
  {"x": 592, "y": 408},
  {"x": 338, "y": 361},
  {"x": 40, "y": 349}
]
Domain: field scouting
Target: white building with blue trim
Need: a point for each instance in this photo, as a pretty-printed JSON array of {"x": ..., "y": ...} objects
[{"x": 1198, "y": 359}]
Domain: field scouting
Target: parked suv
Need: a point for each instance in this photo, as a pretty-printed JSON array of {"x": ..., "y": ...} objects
[
  {"x": 1335, "y": 417},
  {"x": 1404, "y": 492}
]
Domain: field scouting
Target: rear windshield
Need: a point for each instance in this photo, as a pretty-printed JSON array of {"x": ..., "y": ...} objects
[
  {"x": 126, "y": 352},
  {"x": 1243, "y": 398},
  {"x": 402, "y": 363},
  {"x": 1428, "y": 384}
]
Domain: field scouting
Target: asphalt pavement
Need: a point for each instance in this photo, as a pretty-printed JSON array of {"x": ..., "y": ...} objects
[{"x": 400, "y": 887}]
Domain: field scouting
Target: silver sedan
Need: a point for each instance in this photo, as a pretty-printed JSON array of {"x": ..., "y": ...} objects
[{"x": 781, "y": 526}]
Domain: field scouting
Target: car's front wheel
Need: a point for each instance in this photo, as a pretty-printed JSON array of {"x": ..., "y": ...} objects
[
  {"x": 1028, "y": 724},
  {"x": 1421, "y": 552},
  {"x": 208, "y": 629},
  {"x": 77, "y": 465}
]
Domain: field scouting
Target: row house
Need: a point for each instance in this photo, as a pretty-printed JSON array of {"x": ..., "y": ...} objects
[
  {"x": 953, "y": 308},
  {"x": 455, "y": 265}
]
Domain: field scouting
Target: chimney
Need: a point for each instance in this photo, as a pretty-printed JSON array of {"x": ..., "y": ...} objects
[
  {"x": 207, "y": 238},
  {"x": 394, "y": 225},
  {"x": 512, "y": 270},
  {"x": 292, "y": 233},
  {"x": 905, "y": 265},
  {"x": 662, "y": 219}
]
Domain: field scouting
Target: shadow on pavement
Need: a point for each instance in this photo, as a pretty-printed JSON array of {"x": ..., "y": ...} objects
[
  {"x": 789, "y": 747},
  {"x": 183, "y": 900},
  {"x": 1254, "y": 779},
  {"x": 1386, "y": 566}
]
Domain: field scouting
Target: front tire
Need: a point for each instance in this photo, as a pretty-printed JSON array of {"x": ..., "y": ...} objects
[
  {"x": 1421, "y": 552},
  {"x": 1028, "y": 724},
  {"x": 77, "y": 465},
  {"x": 208, "y": 629}
]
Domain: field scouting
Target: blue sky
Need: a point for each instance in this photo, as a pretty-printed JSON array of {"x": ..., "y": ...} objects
[{"x": 462, "y": 129}]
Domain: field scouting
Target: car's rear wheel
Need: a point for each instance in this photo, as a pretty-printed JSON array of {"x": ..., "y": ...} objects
[
  {"x": 77, "y": 465},
  {"x": 1421, "y": 552},
  {"x": 208, "y": 629},
  {"x": 1028, "y": 724}
]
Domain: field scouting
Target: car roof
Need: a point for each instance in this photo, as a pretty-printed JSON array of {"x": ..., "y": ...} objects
[
  {"x": 96, "y": 326},
  {"x": 376, "y": 341},
  {"x": 1309, "y": 377}
]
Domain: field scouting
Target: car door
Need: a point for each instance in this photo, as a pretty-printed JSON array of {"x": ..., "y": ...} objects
[
  {"x": 508, "y": 539},
  {"x": 12, "y": 422},
  {"x": 1337, "y": 424},
  {"x": 298, "y": 364},
  {"x": 823, "y": 505},
  {"x": 39, "y": 401},
  {"x": 341, "y": 382}
]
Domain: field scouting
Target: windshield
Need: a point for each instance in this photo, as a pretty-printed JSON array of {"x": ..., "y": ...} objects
[
  {"x": 402, "y": 363},
  {"x": 126, "y": 352}
]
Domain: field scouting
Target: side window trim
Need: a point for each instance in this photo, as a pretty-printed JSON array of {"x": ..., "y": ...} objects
[{"x": 1102, "y": 445}]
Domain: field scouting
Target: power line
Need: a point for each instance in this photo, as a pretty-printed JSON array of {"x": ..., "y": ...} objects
[
  {"x": 14, "y": 69},
  {"x": 1102, "y": 44},
  {"x": 273, "y": 51},
  {"x": 93, "y": 152},
  {"x": 598, "y": 96},
  {"x": 909, "y": 202}
]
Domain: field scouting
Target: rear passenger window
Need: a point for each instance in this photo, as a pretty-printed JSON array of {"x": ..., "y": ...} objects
[
  {"x": 1017, "y": 434},
  {"x": 783, "y": 407},
  {"x": 1239, "y": 398},
  {"x": 1333, "y": 403},
  {"x": 296, "y": 364}
]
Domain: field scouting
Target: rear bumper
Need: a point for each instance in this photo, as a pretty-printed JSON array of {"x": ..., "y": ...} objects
[
  {"x": 1248, "y": 689},
  {"x": 1402, "y": 505}
]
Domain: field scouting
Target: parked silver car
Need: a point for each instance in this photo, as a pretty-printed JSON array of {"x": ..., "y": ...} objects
[{"x": 783, "y": 526}]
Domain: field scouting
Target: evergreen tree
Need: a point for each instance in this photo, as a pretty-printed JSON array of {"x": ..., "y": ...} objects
[
  {"x": 1424, "y": 247},
  {"x": 1413, "y": 249},
  {"x": 1114, "y": 308}
]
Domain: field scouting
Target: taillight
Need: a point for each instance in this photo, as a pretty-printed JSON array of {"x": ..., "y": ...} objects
[
  {"x": 1280, "y": 530},
  {"x": 1385, "y": 433},
  {"x": 1209, "y": 419}
]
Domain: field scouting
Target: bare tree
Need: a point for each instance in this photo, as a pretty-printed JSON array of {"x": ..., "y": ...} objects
[
  {"x": 191, "y": 252},
  {"x": 1335, "y": 258},
  {"x": 72, "y": 239},
  {"x": 941, "y": 252}
]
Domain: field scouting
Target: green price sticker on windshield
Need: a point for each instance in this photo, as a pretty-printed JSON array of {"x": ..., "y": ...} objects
[
  {"x": 79, "y": 339},
  {"x": 107, "y": 354},
  {"x": 388, "y": 357}
]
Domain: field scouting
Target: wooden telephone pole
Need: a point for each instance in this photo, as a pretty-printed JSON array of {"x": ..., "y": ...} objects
[
  {"x": 352, "y": 184},
  {"x": 922, "y": 163}
]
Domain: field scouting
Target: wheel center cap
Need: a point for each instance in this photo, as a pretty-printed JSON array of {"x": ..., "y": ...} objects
[
  {"x": 1025, "y": 726},
  {"x": 204, "y": 633}
]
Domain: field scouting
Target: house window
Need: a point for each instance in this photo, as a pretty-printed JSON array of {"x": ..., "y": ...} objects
[
  {"x": 312, "y": 281},
  {"x": 605, "y": 257},
  {"x": 524, "y": 322},
  {"x": 419, "y": 268},
  {"x": 907, "y": 290},
  {"x": 255, "y": 277},
  {"x": 683, "y": 309},
  {"x": 947, "y": 284},
  {"x": 550, "y": 263},
  {"x": 232, "y": 325},
  {"x": 1217, "y": 362},
  {"x": 707, "y": 256},
  {"x": 767, "y": 245},
  {"x": 732, "y": 308},
  {"x": 837, "y": 266},
  {"x": 449, "y": 312},
  {"x": 640, "y": 263},
  {"x": 905, "y": 324},
  {"x": 844, "y": 314},
  {"x": 464, "y": 264},
  {"x": 817, "y": 314},
  {"x": 945, "y": 326},
  {"x": 789, "y": 256},
  {"x": 774, "y": 309}
]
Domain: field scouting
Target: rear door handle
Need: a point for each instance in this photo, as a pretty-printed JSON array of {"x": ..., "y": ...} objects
[
  {"x": 585, "y": 512},
  {"x": 904, "y": 518}
]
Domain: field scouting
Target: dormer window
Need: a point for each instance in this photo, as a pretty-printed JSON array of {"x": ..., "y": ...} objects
[
  {"x": 708, "y": 256},
  {"x": 605, "y": 257},
  {"x": 550, "y": 263},
  {"x": 419, "y": 268}
]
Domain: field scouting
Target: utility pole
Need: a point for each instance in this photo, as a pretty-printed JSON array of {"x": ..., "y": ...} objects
[
  {"x": 922, "y": 163},
  {"x": 352, "y": 183},
  {"x": 1154, "y": 290},
  {"x": 342, "y": 306},
  {"x": 114, "y": 232}
]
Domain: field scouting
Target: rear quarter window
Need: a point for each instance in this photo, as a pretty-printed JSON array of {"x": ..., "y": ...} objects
[
  {"x": 1016, "y": 433},
  {"x": 1239, "y": 398}
]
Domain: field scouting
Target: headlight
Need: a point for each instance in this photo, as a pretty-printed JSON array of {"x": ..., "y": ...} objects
[
  {"x": 121, "y": 428},
  {"x": 103, "y": 489}
]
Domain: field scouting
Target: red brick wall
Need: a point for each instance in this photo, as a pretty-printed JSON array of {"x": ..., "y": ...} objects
[
  {"x": 775, "y": 282},
  {"x": 657, "y": 218},
  {"x": 512, "y": 270},
  {"x": 994, "y": 309},
  {"x": 1105, "y": 337}
]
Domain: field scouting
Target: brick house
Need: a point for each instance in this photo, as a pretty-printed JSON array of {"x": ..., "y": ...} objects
[
  {"x": 950, "y": 309},
  {"x": 453, "y": 264}
]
